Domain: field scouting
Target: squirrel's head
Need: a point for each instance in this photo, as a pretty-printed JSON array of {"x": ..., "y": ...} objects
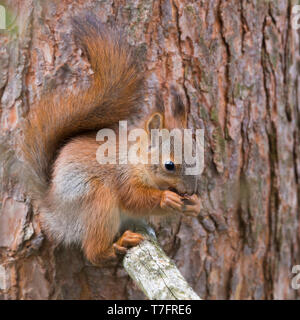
[{"x": 168, "y": 147}]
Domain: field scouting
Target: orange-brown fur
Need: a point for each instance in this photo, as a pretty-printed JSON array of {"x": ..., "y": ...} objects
[{"x": 80, "y": 200}]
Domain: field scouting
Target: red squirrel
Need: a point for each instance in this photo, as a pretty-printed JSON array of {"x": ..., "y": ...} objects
[{"x": 80, "y": 201}]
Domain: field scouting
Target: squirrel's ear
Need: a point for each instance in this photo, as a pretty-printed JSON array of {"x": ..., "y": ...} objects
[{"x": 156, "y": 121}]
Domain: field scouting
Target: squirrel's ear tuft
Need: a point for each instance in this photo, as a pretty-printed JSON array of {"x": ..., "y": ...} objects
[
  {"x": 156, "y": 121},
  {"x": 159, "y": 102},
  {"x": 179, "y": 108},
  {"x": 179, "y": 111}
]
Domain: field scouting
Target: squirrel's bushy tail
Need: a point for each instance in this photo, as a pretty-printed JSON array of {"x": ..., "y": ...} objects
[{"x": 115, "y": 94}]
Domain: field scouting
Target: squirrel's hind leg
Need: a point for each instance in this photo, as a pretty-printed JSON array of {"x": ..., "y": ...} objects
[
  {"x": 104, "y": 223},
  {"x": 100, "y": 244}
]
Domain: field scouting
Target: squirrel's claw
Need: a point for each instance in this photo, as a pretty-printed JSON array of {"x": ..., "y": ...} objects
[
  {"x": 119, "y": 250},
  {"x": 193, "y": 207}
]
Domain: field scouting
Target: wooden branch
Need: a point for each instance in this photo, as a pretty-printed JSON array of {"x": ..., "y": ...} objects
[{"x": 155, "y": 273}]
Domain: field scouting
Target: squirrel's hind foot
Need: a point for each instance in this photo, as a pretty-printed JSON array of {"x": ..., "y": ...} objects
[{"x": 128, "y": 240}]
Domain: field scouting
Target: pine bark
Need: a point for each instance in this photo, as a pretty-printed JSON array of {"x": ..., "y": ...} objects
[{"x": 236, "y": 64}]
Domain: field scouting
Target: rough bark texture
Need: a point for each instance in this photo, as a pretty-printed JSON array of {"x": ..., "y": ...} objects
[{"x": 237, "y": 65}]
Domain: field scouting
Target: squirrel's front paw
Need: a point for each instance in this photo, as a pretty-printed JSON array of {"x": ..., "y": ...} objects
[
  {"x": 192, "y": 205},
  {"x": 128, "y": 239},
  {"x": 171, "y": 201}
]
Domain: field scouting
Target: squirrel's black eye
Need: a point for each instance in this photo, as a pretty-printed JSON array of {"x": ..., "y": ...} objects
[{"x": 169, "y": 165}]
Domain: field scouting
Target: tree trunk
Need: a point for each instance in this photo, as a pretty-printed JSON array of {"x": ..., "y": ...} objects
[{"x": 236, "y": 64}]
